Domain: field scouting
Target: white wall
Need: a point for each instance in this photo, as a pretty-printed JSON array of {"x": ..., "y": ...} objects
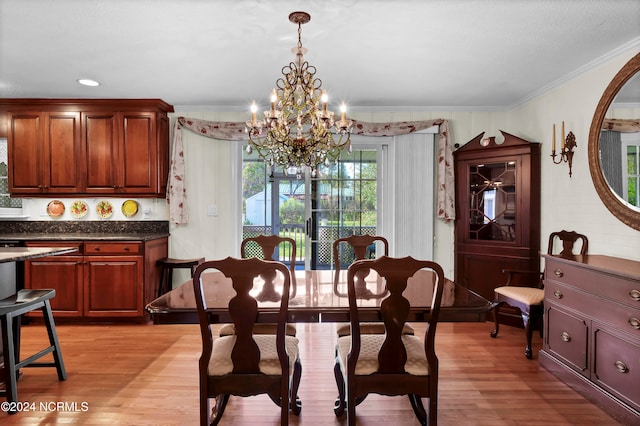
[
  {"x": 573, "y": 203},
  {"x": 567, "y": 203}
]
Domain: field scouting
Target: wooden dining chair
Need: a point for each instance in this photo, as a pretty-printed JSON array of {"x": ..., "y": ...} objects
[
  {"x": 392, "y": 363},
  {"x": 246, "y": 364},
  {"x": 518, "y": 293}
]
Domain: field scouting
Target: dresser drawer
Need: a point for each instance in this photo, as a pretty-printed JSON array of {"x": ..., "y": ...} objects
[
  {"x": 622, "y": 317},
  {"x": 567, "y": 337},
  {"x": 123, "y": 247},
  {"x": 617, "y": 288},
  {"x": 617, "y": 364}
]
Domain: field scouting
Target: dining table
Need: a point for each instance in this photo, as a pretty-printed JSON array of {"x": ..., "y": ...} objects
[{"x": 320, "y": 297}]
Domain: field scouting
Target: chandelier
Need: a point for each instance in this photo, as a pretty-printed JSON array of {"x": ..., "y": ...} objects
[{"x": 298, "y": 131}]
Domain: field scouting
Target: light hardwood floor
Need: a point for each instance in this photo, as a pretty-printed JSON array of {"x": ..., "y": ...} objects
[{"x": 147, "y": 375}]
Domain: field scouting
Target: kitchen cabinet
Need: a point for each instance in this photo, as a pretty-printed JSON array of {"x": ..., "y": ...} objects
[
  {"x": 42, "y": 145},
  {"x": 87, "y": 147},
  {"x": 498, "y": 211},
  {"x": 592, "y": 329},
  {"x": 64, "y": 273},
  {"x": 103, "y": 280}
]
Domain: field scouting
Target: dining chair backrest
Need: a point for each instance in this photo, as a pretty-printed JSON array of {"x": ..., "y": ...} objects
[
  {"x": 394, "y": 308},
  {"x": 362, "y": 246},
  {"x": 568, "y": 240},
  {"x": 273, "y": 247}
]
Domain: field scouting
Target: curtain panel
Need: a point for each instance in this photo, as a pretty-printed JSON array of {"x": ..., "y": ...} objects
[{"x": 235, "y": 131}]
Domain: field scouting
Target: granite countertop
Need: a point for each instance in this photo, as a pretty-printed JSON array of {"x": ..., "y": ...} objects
[
  {"x": 14, "y": 254},
  {"x": 75, "y": 236},
  {"x": 83, "y": 230}
]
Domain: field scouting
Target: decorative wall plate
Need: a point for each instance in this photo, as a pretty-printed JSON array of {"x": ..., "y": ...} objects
[
  {"x": 55, "y": 208},
  {"x": 78, "y": 209},
  {"x": 104, "y": 209},
  {"x": 130, "y": 208}
]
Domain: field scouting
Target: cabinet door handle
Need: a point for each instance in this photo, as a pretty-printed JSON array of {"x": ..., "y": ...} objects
[
  {"x": 557, "y": 294},
  {"x": 558, "y": 273},
  {"x": 635, "y": 323},
  {"x": 566, "y": 337},
  {"x": 635, "y": 295},
  {"x": 622, "y": 367}
]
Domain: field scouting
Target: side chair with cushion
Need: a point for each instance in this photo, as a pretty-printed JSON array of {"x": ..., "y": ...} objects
[
  {"x": 529, "y": 299},
  {"x": 264, "y": 247},
  {"x": 392, "y": 363},
  {"x": 246, "y": 364}
]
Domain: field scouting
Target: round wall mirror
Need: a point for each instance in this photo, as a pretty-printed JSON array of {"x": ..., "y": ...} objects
[{"x": 608, "y": 156}]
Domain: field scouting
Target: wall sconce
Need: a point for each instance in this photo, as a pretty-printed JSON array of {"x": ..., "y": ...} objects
[{"x": 566, "y": 151}]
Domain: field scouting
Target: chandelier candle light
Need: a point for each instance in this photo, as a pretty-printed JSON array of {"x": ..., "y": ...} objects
[
  {"x": 566, "y": 150},
  {"x": 298, "y": 130}
]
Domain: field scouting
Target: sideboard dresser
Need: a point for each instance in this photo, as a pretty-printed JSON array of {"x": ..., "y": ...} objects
[{"x": 592, "y": 330}]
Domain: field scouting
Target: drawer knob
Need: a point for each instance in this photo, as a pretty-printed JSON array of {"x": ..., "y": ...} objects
[
  {"x": 566, "y": 337},
  {"x": 635, "y": 295},
  {"x": 96, "y": 248},
  {"x": 621, "y": 367},
  {"x": 557, "y": 294},
  {"x": 635, "y": 323},
  {"x": 558, "y": 273}
]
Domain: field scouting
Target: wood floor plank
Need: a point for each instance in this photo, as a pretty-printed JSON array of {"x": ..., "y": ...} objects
[{"x": 147, "y": 375}]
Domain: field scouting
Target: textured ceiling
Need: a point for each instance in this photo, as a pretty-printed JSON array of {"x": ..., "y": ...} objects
[{"x": 202, "y": 54}]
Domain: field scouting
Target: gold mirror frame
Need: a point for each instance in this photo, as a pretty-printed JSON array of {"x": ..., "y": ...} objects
[{"x": 615, "y": 205}]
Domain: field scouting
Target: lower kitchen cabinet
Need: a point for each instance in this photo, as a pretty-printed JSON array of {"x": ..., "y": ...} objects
[
  {"x": 103, "y": 280},
  {"x": 63, "y": 273}
]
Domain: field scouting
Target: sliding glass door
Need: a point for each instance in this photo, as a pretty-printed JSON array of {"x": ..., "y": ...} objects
[{"x": 340, "y": 201}]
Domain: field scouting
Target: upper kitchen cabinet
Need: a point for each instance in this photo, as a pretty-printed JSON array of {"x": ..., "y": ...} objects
[
  {"x": 498, "y": 211},
  {"x": 87, "y": 147},
  {"x": 42, "y": 145}
]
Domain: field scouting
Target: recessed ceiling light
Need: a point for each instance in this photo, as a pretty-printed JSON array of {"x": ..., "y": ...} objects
[{"x": 88, "y": 82}]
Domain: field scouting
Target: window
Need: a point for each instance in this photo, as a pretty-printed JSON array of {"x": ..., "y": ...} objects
[
  {"x": 8, "y": 205},
  {"x": 631, "y": 168},
  {"x": 340, "y": 201}
]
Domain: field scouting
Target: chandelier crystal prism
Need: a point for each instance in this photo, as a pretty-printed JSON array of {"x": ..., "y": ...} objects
[{"x": 298, "y": 130}]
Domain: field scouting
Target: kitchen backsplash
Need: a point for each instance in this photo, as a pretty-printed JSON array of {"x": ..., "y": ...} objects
[{"x": 92, "y": 209}]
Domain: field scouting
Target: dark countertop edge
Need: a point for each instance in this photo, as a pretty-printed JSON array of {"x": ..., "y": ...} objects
[{"x": 84, "y": 236}]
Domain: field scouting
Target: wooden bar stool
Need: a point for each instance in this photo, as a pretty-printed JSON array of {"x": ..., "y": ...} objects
[
  {"x": 168, "y": 265},
  {"x": 11, "y": 310}
]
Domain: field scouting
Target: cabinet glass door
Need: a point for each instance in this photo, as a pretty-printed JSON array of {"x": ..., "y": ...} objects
[{"x": 492, "y": 201}]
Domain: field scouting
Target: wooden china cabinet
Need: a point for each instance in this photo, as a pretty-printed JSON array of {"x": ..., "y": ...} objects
[{"x": 498, "y": 211}]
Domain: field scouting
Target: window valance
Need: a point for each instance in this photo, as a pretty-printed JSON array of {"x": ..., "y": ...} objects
[
  {"x": 234, "y": 131},
  {"x": 621, "y": 125}
]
